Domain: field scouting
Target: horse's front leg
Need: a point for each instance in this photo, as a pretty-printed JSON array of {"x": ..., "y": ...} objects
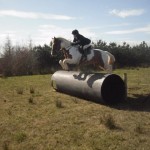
[
  {"x": 66, "y": 62},
  {"x": 62, "y": 64}
]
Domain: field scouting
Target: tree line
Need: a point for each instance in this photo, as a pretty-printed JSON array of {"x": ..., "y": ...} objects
[{"x": 29, "y": 59}]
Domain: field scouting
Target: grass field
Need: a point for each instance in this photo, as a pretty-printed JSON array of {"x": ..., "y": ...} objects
[{"x": 35, "y": 117}]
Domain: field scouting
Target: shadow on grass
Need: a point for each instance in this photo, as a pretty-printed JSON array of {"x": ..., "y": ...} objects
[{"x": 136, "y": 103}]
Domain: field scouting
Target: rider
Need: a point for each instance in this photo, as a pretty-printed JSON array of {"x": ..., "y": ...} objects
[{"x": 81, "y": 41}]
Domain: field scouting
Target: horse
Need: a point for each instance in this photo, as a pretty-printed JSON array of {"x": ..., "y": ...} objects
[{"x": 103, "y": 59}]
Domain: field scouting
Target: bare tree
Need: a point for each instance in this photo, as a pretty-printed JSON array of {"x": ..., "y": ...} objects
[{"x": 7, "y": 57}]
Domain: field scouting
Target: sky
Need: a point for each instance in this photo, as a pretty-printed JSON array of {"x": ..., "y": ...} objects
[{"x": 108, "y": 20}]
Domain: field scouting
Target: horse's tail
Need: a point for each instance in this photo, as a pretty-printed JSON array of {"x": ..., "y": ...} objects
[{"x": 111, "y": 59}]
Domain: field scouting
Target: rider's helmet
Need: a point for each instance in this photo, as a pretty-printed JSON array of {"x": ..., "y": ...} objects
[{"x": 75, "y": 32}]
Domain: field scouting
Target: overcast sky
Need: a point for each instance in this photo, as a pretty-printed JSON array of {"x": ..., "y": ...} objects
[{"x": 108, "y": 20}]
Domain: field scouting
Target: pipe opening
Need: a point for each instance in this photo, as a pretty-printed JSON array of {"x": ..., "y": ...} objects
[{"x": 113, "y": 89}]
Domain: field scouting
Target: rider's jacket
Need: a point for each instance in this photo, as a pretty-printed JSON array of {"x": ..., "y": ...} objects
[{"x": 81, "y": 40}]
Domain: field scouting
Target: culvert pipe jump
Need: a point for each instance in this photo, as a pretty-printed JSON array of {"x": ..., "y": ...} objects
[{"x": 97, "y": 87}]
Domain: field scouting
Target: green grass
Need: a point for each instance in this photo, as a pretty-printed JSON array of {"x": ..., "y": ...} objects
[{"x": 40, "y": 118}]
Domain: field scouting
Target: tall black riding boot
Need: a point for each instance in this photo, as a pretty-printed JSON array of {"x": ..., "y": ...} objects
[{"x": 84, "y": 55}]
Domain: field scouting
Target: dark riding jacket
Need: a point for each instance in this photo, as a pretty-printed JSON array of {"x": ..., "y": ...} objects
[{"x": 81, "y": 40}]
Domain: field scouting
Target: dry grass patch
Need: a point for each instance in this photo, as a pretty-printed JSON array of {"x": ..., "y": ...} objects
[
  {"x": 109, "y": 121},
  {"x": 59, "y": 103},
  {"x": 19, "y": 90},
  {"x": 32, "y": 90}
]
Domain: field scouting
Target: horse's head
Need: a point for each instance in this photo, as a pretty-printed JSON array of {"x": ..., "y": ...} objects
[{"x": 56, "y": 46}]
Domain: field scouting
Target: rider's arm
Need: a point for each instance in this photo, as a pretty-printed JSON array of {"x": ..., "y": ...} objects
[{"x": 75, "y": 43}]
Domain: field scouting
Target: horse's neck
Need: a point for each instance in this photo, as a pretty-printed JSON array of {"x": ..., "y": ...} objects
[
  {"x": 75, "y": 52},
  {"x": 65, "y": 43}
]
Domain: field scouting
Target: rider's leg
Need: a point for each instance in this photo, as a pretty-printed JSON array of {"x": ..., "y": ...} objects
[
  {"x": 82, "y": 50},
  {"x": 86, "y": 46},
  {"x": 85, "y": 50},
  {"x": 84, "y": 54}
]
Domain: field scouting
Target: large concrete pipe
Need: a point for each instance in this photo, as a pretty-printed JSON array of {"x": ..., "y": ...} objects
[{"x": 98, "y": 87}]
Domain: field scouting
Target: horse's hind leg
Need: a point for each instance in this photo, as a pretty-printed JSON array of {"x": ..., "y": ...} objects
[
  {"x": 100, "y": 67},
  {"x": 108, "y": 65},
  {"x": 111, "y": 61},
  {"x": 109, "y": 68}
]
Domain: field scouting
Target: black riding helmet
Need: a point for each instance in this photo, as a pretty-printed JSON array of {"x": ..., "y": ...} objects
[{"x": 74, "y": 32}]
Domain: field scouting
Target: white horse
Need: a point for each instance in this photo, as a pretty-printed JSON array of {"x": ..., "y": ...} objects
[{"x": 103, "y": 59}]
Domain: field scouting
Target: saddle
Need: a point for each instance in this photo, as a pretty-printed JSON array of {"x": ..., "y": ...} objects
[{"x": 86, "y": 51}]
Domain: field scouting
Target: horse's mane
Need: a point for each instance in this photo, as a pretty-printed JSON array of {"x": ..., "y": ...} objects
[{"x": 65, "y": 41}]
